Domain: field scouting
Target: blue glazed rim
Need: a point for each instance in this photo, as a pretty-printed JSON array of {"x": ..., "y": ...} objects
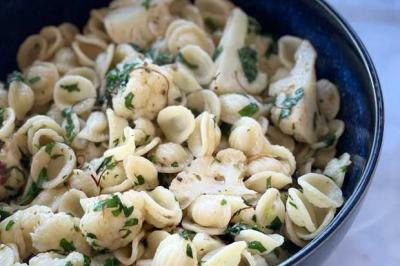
[{"x": 366, "y": 178}]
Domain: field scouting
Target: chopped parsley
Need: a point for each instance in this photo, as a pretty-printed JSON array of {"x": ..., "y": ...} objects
[
  {"x": 2, "y": 113},
  {"x": 256, "y": 245},
  {"x": 217, "y": 52},
  {"x": 9, "y": 225},
  {"x": 269, "y": 182},
  {"x": 344, "y": 169},
  {"x": 160, "y": 57},
  {"x": 329, "y": 140},
  {"x": 49, "y": 147},
  {"x": 235, "y": 229},
  {"x": 189, "y": 251},
  {"x": 91, "y": 235},
  {"x": 86, "y": 260},
  {"x": 270, "y": 50},
  {"x": 34, "y": 80},
  {"x": 249, "y": 110},
  {"x": 67, "y": 246},
  {"x": 140, "y": 180},
  {"x": 35, "y": 188},
  {"x": 4, "y": 214},
  {"x": 146, "y": 4},
  {"x": 106, "y": 164},
  {"x": 69, "y": 127},
  {"x": 293, "y": 204},
  {"x": 115, "y": 142},
  {"x": 113, "y": 202},
  {"x": 126, "y": 232},
  {"x": 111, "y": 262},
  {"x": 71, "y": 87},
  {"x": 174, "y": 164},
  {"x": 276, "y": 224},
  {"x": 13, "y": 76},
  {"x": 223, "y": 202},
  {"x": 225, "y": 129},
  {"x": 289, "y": 102},
  {"x": 69, "y": 264},
  {"x": 131, "y": 222},
  {"x": 116, "y": 79},
  {"x": 137, "y": 48},
  {"x": 128, "y": 101},
  {"x": 181, "y": 59},
  {"x": 210, "y": 24},
  {"x": 248, "y": 59},
  {"x": 186, "y": 234}
]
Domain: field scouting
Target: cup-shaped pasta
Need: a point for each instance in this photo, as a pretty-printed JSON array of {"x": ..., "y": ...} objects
[
  {"x": 41, "y": 138},
  {"x": 290, "y": 232},
  {"x": 236, "y": 63},
  {"x": 321, "y": 191},
  {"x": 116, "y": 126},
  {"x": 111, "y": 221},
  {"x": 141, "y": 172},
  {"x": 176, "y": 122},
  {"x": 87, "y": 48},
  {"x": 53, "y": 258},
  {"x": 65, "y": 59},
  {"x": 125, "y": 53},
  {"x": 170, "y": 157},
  {"x": 328, "y": 99},
  {"x": 83, "y": 181},
  {"x": 235, "y": 105},
  {"x": 42, "y": 77},
  {"x": 184, "y": 79},
  {"x": 20, "y": 98},
  {"x": 246, "y": 135},
  {"x": 107, "y": 172},
  {"x": 205, "y": 244},
  {"x": 104, "y": 61},
  {"x": 175, "y": 250},
  {"x": 258, "y": 242},
  {"x": 127, "y": 147},
  {"x": 161, "y": 208},
  {"x": 9, "y": 255},
  {"x": 336, "y": 129},
  {"x": 300, "y": 210},
  {"x": 72, "y": 125},
  {"x": 198, "y": 62},
  {"x": 129, "y": 254},
  {"x": 204, "y": 100},
  {"x": 153, "y": 240},
  {"x": 277, "y": 137},
  {"x": 206, "y": 136},
  {"x": 95, "y": 24},
  {"x": 225, "y": 256},
  {"x": 69, "y": 202},
  {"x": 33, "y": 48},
  {"x": 96, "y": 128},
  {"x": 20, "y": 225},
  {"x": 337, "y": 168},
  {"x": 216, "y": 11},
  {"x": 52, "y": 165},
  {"x": 145, "y": 94},
  {"x": 287, "y": 48},
  {"x": 265, "y": 164},
  {"x": 270, "y": 210},
  {"x": 86, "y": 72},
  {"x": 144, "y": 131},
  {"x": 54, "y": 40},
  {"x": 181, "y": 33},
  {"x": 76, "y": 92},
  {"x": 59, "y": 232},
  {"x": 68, "y": 31},
  {"x": 142, "y": 150},
  {"x": 7, "y": 116}
]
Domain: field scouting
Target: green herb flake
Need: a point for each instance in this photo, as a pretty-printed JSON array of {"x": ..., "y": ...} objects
[
  {"x": 186, "y": 234},
  {"x": 189, "y": 251},
  {"x": 67, "y": 246},
  {"x": 115, "y": 142},
  {"x": 254, "y": 218},
  {"x": 2, "y": 113},
  {"x": 117, "y": 78},
  {"x": 248, "y": 59},
  {"x": 125, "y": 232},
  {"x": 160, "y": 57},
  {"x": 235, "y": 229},
  {"x": 91, "y": 235},
  {"x": 4, "y": 214},
  {"x": 290, "y": 102},
  {"x": 13, "y": 76},
  {"x": 270, "y": 50},
  {"x": 111, "y": 262},
  {"x": 34, "y": 80},
  {"x": 181, "y": 59},
  {"x": 128, "y": 101},
  {"x": 86, "y": 260},
  {"x": 71, "y": 87},
  {"x": 269, "y": 182},
  {"x": 329, "y": 140},
  {"x": 276, "y": 224},
  {"x": 210, "y": 24},
  {"x": 174, "y": 164},
  {"x": 249, "y": 110},
  {"x": 256, "y": 245},
  {"x": 68, "y": 263},
  {"x": 69, "y": 127},
  {"x": 217, "y": 53},
  {"x": 254, "y": 26},
  {"x": 131, "y": 222},
  {"x": 223, "y": 202},
  {"x": 225, "y": 129},
  {"x": 146, "y": 4},
  {"x": 140, "y": 180},
  {"x": 344, "y": 169},
  {"x": 293, "y": 204},
  {"x": 9, "y": 225},
  {"x": 49, "y": 147}
]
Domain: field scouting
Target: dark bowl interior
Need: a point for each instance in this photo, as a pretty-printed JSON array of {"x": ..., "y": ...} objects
[{"x": 341, "y": 58}]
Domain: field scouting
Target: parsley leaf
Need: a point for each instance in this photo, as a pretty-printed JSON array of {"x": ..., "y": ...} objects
[
  {"x": 9, "y": 225},
  {"x": 4, "y": 214},
  {"x": 13, "y": 76},
  {"x": 2, "y": 113},
  {"x": 329, "y": 140},
  {"x": 159, "y": 57},
  {"x": 69, "y": 127},
  {"x": 128, "y": 101},
  {"x": 69, "y": 264},
  {"x": 86, "y": 260},
  {"x": 91, "y": 235},
  {"x": 186, "y": 234},
  {"x": 257, "y": 246},
  {"x": 71, "y": 87},
  {"x": 117, "y": 78},
  {"x": 35, "y": 188},
  {"x": 67, "y": 246},
  {"x": 223, "y": 202},
  {"x": 235, "y": 229},
  {"x": 111, "y": 262},
  {"x": 217, "y": 53},
  {"x": 248, "y": 59},
  {"x": 289, "y": 102},
  {"x": 140, "y": 180},
  {"x": 174, "y": 164},
  {"x": 249, "y": 110},
  {"x": 49, "y": 147},
  {"x": 189, "y": 251},
  {"x": 146, "y": 4},
  {"x": 276, "y": 224},
  {"x": 34, "y": 80},
  {"x": 131, "y": 222}
]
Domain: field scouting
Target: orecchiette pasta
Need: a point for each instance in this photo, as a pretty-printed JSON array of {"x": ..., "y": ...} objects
[{"x": 166, "y": 133}]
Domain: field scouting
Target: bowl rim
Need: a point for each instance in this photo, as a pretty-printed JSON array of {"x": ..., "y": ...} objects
[{"x": 366, "y": 177}]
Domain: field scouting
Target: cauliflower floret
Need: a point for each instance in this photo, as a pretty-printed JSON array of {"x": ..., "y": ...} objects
[{"x": 206, "y": 175}]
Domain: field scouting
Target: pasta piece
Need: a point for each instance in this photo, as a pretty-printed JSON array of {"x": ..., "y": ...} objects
[
  {"x": 74, "y": 92},
  {"x": 300, "y": 210},
  {"x": 234, "y": 106},
  {"x": 52, "y": 165},
  {"x": 33, "y": 48},
  {"x": 125, "y": 148},
  {"x": 176, "y": 122},
  {"x": 204, "y": 100},
  {"x": 337, "y": 168},
  {"x": 86, "y": 72},
  {"x": 259, "y": 243},
  {"x": 42, "y": 77},
  {"x": 184, "y": 79},
  {"x": 68, "y": 31},
  {"x": 104, "y": 61},
  {"x": 144, "y": 131},
  {"x": 116, "y": 126},
  {"x": 54, "y": 40},
  {"x": 141, "y": 172},
  {"x": 95, "y": 129},
  {"x": 20, "y": 98},
  {"x": 69, "y": 202},
  {"x": 225, "y": 256},
  {"x": 52, "y": 258},
  {"x": 95, "y": 24},
  {"x": 206, "y": 136},
  {"x": 328, "y": 99},
  {"x": 215, "y": 11},
  {"x": 129, "y": 254},
  {"x": 83, "y": 181},
  {"x": 270, "y": 210},
  {"x": 205, "y": 244},
  {"x": 8, "y": 255},
  {"x": 7, "y": 116},
  {"x": 65, "y": 59},
  {"x": 336, "y": 129},
  {"x": 175, "y": 250},
  {"x": 287, "y": 48},
  {"x": 153, "y": 240},
  {"x": 87, "y": 48},
  {"x": 170, "y": 157}
]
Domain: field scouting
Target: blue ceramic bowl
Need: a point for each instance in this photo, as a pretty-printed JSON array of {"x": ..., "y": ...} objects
[{"x": 342, "y": 58}]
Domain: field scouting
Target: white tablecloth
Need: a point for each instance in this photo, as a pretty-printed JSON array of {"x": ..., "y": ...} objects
[{"x": 374, "y": 238}]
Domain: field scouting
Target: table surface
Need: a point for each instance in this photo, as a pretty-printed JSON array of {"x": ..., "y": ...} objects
[{"x": 374, "y": 238}]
